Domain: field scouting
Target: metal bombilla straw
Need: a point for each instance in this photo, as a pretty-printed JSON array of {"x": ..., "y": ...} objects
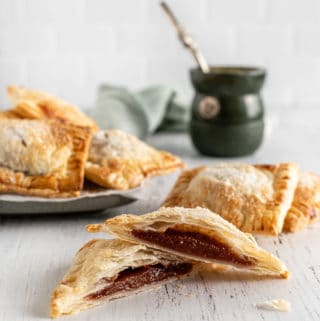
[{"x": 186, "y": 39}]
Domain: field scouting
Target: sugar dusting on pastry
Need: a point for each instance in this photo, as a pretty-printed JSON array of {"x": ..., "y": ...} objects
[
  {"x": 244, "y": 178},
  {"x": 114, "y": 143},
  {"x": 275, "y": 305},
  {"x": 29, "y": 146}
]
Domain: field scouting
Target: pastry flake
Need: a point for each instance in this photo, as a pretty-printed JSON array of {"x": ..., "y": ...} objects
[
  {"x": 275, "y": 305},
  {"x": 33, "y": 104},
  {"x": 255, "y": 198},
  {"x": 42, "y": 158},
  {"x": 197, "y": 234},
  {"x": 104, "y": 270},
  {"x": 305, "y": 208},
  {"x": 121, "y": 161}
]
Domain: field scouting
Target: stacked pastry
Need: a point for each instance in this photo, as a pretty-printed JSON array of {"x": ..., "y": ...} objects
[
  {"x": 155, "y": 248},
  {"x": 48, "y": 148}
]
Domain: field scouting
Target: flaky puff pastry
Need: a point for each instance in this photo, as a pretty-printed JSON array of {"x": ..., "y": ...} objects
[
  {"x": 121, "y": 161},
  {"x": 33, "y": 104},
  {"x": 42, "y": 158},
  {"x": 305, "y": 208},
  {"x": 9, "y": 114},
  {"x": 255, "y": 198},
  {"x": 197, "y": 234},
  {"x": 108, "y": 269}
]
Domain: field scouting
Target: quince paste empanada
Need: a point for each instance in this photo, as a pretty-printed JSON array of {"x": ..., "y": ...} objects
[
  {"x": 196, "y": 234},
  {"x": 34, "y": 104},
  {"x": 121, "y": 161},
  {"x": 108, "y": 269},
  {"x": 255, "y": 198},
  {"x": 43, "y": 158}
]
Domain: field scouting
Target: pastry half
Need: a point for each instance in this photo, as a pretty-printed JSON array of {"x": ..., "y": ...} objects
[
  {"x": 305, "y": 208},
  {"x": 108, "y": 269},
  {"x": 42, "y": 158},
  {"x": 255, "y": 198},
  {"x": 33, "y": 104},
  {"x": 196, "y": 234},
  {"x": 121, "y": 161}
]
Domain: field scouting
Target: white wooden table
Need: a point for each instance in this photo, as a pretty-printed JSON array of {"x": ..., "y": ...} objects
[{"x": 36, "y": 251}]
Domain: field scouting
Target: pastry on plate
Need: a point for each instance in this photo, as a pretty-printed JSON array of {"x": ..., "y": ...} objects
[
  {"x": 305, "y": 208},
  {"x": 33, "y": 104},
  {"x": 196, "y": 234},
  {"x": 9, "y": 114},
  {"x": 121, "y": 161},
  {"x": 108, "y": 269},
  {"x": 255, "y": 198},
  {"x": 42, "y": 158}
]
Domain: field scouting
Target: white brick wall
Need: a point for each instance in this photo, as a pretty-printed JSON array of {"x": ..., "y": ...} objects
[{"x": 69, "y": 47}]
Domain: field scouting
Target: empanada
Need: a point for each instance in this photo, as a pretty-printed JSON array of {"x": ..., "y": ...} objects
[
  {"x": 108, "y": 269},
  {"x": 32, "y": 104},
  {"x": 121, "y": 161},
  {"x": 197, "y": 234},
  {"x": 305, "y": 208},
  {"x": 43, "y": 158},
  {"x": 255, "y": 198}
]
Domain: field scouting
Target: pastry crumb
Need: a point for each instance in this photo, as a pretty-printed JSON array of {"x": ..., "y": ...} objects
[
  {"x": 180, "y": 286},
  {"x": 275, "y": 305}
]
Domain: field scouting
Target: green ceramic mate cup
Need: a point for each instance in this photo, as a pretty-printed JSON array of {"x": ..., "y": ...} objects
[{"x": 227, "y": 110}]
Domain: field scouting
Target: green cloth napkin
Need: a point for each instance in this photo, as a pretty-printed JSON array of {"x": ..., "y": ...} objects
[{"x": 140, "y": 113}]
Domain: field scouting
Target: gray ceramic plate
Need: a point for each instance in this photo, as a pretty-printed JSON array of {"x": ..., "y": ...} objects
[{"x": 89, "y": 201}]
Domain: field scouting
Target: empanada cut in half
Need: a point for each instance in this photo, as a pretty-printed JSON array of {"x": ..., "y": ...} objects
[
  {"x": 108, "y": 269},
  {"x": 197, "y": 234},
  {"x": 305, "y": 208},
  {"x": 42, "y": 158},
  {"x": 33, "y": 104},
  {"x": 121, "y": 161},
  {"x": 255, "y": 198}
]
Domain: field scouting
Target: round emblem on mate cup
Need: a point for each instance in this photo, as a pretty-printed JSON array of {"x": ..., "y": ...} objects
[{"x": 209, "y": 107}]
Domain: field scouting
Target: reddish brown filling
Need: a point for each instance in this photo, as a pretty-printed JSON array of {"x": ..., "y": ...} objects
[
  {"x": 193, "y": 243},
  {"x": 134, "y": 278}
]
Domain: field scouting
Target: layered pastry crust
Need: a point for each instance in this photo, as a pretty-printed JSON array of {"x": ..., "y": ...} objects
[
  {"x": 104, "y": 270},
  {"x": 305, "y": 208},
  {"x": 32, "y": 104},
  {"x": 42, "y": 158},
  {"x": 253, "y": 198},
  {"x": 121, "y": 161},
  {"x": 9, "y": 114},
  {"x": 197, "y": 234}
]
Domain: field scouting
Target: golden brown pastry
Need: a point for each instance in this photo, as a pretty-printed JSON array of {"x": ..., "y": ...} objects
[
  {"x": 196, "y": 234},
  {"x": 9, "y": 114},
  {"x": 255, "y": 198},
  {"x": 108, "y": 269},
  {"x": 43, "y": 158},
  {"x": 305, "y": 208},
  {"x": 32, "y": 104},
  {"x": 121, "y": 161}
]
